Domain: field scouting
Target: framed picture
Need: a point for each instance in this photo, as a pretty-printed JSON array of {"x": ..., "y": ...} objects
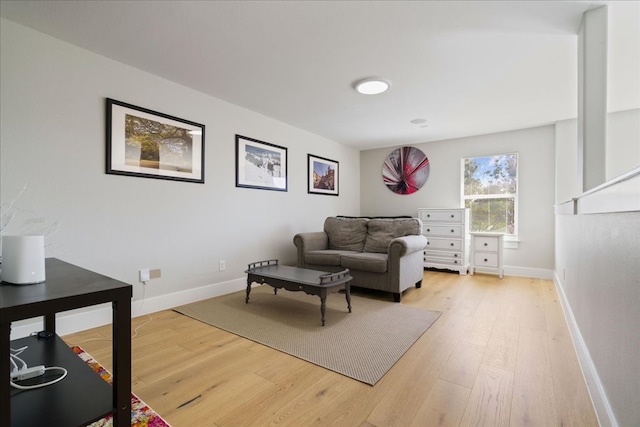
[
  {"x": 260, "y": 164},
  {"x": 148, "y": 144},
  {"x": 323, "y": 175}
]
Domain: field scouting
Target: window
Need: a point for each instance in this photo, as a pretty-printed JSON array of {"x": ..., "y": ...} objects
[{"x": 490, "y": 191}]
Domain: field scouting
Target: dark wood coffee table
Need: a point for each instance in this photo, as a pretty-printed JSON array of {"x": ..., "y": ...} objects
[{"x": 312, "y": 282}]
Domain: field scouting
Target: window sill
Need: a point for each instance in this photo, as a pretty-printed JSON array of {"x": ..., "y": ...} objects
[{"x": 511, "y": 242}]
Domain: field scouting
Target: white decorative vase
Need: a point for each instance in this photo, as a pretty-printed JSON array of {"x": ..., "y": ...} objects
[{"x": 22, "y": 260}]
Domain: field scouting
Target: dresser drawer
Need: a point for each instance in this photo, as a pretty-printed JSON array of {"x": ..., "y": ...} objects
[
  {"x": 442, "y": 230},
  {"x": 446, "y": 261},
  {"x": 443, "y": 254},
  {"x": 442, "y": 215},
  {"x": 486, "y": 244},
  {"x": 485, "y": 260},
  {"x": 451, "y": 244}
]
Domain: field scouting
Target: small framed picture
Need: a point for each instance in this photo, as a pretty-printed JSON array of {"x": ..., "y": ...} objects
[
  {"x": 148, "y": 144},
  {"x": 323, "y": 175},
  {"x": 260, "y": 164}
]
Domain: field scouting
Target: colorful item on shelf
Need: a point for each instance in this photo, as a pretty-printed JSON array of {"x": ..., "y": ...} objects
[{"x": 141, "y": 414}]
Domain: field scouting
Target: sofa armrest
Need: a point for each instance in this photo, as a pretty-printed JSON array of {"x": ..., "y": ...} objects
[
  {"x": 401, "y": 246},
  {"x": 306, "y": 242}
]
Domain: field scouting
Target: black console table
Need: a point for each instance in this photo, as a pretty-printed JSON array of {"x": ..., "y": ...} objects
[{"x": 82, "y": 397}]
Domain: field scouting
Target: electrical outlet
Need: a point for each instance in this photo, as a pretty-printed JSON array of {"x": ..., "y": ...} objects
[
  {"x": 155, "y": 274},
  {"x": 144, "y": 275},
  {"x": 223, "y": 265}
]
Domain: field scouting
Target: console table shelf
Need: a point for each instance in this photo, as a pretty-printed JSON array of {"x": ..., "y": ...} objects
[{"x": 82, "y": 397}]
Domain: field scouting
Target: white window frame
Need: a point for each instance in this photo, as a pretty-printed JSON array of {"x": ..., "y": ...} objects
[{"x": 511, "y": 240}]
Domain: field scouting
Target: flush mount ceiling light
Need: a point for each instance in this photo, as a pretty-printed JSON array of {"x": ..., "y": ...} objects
[{"x": 371, "y": 86}]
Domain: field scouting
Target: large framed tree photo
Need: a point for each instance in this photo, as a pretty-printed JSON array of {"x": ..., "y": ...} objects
[{"x": 148, "y": 144}]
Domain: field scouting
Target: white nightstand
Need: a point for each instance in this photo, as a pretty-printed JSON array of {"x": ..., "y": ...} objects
[{"x": 486, "y": 252}]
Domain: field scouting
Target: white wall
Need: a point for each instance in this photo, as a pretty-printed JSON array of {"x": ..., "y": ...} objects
[
  {"x": 53, "y": 142},
  {"x": 623, "y": 56},
  {"x": 592, "y": 97},
  {"x": 568, "y": 181},
  {"x": 622, "y": 151},
  {"x": 598, "y": 276},
  {"x": 597, "y": 251},
  {"x": 536, "y": 181},
  {"x": 623, "y": 141}
]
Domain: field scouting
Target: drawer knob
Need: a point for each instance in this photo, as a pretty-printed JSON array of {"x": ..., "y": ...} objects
[
  {"x": 452, "y": 244},
  {"x": 428, "y": 215},
  {"x": 455, "y": 262},
  {"x": 455, "y": 255},
  {"x": 428, "y": 229},
  {"x": 452, "y": 215},
  {"x": 485, "y": 260},
  {"x": 453, "y": 231},
  {"x": 486, "y": 244},
  {"x": 428, "y": 243}
]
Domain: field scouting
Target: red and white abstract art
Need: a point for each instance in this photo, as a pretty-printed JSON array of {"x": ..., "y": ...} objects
[{"x": 405, "y": 170}]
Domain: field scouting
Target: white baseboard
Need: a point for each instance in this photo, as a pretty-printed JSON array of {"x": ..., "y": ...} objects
[
  {"x": 536, "y": 273},
  {"x": 606, "y": 417},
  {"x": 99, "y": 315}
]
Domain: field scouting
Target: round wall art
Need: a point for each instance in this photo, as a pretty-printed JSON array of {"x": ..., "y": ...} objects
[{"x": 405, "y": 170}]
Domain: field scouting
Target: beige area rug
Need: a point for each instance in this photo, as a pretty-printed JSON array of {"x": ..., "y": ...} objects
[{"x": 362, "y": 345}]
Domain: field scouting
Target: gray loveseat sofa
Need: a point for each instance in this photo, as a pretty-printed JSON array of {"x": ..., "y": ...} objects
[{"x": 381, "y": 253}]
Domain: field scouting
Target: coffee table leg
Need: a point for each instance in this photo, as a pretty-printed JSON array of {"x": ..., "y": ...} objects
[
  {"x": 246, "y": 301},
  {"x": 347, "y": 292},
  {"x": 323, "y": 303}
]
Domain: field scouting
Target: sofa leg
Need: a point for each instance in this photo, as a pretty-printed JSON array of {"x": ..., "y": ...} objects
[
  {"x": 419, "y": 284},
  {"x": 397, "y": 297}
]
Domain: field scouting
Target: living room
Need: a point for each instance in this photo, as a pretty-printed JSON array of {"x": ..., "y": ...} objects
[{"x": 53, "y": 156}]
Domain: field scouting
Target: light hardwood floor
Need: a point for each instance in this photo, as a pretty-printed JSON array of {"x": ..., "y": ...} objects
[{"x": 500, "y": 355}]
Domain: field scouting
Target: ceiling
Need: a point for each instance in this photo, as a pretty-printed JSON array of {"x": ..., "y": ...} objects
[{"x": 467, "y": 68}]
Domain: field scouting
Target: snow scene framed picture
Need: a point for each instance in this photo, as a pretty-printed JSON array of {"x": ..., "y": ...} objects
[{"x": 260, "y": 164}]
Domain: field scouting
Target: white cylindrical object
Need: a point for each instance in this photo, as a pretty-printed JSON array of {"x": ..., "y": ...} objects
[{"x": 22, "y": 260}]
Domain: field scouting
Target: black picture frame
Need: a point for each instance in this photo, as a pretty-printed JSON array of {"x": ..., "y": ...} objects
[
  {"x": 148, "y": 144},
  {"x": 323, "y": 176},
  {"x": 261, "y": 165}
]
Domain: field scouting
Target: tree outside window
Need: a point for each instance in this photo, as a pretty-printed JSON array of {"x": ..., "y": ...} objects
[{"x": 490, "y": 191}]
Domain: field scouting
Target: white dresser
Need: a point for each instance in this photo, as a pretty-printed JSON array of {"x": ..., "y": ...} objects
[
  {"x": 486, "y": 252},
  {"x": 446, "y": 231}
]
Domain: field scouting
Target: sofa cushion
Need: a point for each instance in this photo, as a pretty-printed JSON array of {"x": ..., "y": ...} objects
[
  {"x": 325, "y": 257},
  {"x": 382, "y": 231},
  {"x": 375, "y": 263},
  {"x": 346, "y": 234},
  {"x": 375, "y": 217}
]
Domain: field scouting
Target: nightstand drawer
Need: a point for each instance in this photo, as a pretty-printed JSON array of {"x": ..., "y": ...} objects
[
  {"x": 442, "y": 230},
  {"x": 485, "y": 260},
  {"x": 452, "y": 244},
  {"x": 442, "y": 215},
  {"x": 486, "y": 244}
]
